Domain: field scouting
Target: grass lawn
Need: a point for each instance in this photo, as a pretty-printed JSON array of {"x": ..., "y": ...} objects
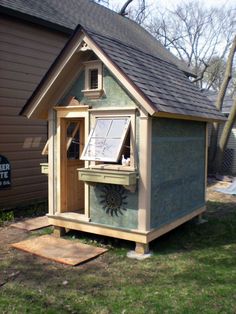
[{"x": 193, "y": 270}]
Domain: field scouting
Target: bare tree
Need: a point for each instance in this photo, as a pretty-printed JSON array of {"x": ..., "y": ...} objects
[
  {"x": 137, "y": 10},
  {"x": 224, "y": 139},
  {"x": 217, "y": 149},
  {"x": 124, "y": 7},
  {"x": 195, "y": 33},
  {"x": 214, "y": 74}
]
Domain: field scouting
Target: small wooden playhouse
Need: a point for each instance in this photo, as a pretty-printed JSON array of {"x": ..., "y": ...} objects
[{"x": 127, "y": 144}]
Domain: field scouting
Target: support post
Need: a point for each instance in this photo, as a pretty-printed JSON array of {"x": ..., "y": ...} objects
[
  {"x": 59, "y": 231},
  {"x": 200, "y": 219},
  {"x": 145, "y": 162},
  {"x": 142, "y": 248}
]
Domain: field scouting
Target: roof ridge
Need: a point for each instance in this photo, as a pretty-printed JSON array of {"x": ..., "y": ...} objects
[{"x": 131, "y": 47}]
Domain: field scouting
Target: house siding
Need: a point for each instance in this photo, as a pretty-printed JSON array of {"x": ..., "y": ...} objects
[
  {"x": 178, "y": 169},
  {"x": 232, "y": 145},
  {"x": 230, "y": 159},
  {"x": 26, "y": 52},
  {"x": 127, "y": 216},
  {"x": 114, "y": 94}
]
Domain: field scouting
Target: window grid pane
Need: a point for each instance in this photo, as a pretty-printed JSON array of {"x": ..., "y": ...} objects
[{"x": 106, "y": 139}]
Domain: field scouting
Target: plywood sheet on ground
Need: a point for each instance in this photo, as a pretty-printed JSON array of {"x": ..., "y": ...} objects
[
  {"x": 64, "y": 251},
  {"x": 32, "y": 224}
]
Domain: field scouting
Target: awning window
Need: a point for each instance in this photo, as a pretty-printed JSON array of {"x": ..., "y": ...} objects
[{"x": 106, "y": 139}]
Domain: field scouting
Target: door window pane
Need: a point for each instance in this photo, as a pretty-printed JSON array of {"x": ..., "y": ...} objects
[{"x": 73, "y": 140}]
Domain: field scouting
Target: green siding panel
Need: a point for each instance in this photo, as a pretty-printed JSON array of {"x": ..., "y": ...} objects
[
  {"x": 100, "y": 212},
  {"x": 114, "y": 93},
  {"x": 178, "y": 169},
  {"x": 114, "y": 206}
]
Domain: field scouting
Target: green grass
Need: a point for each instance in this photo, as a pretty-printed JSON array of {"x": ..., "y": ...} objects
[
  {"x": 34, "y": 209},
  {"x": 6, "y": 217},
  {"x": 192, "y": 270}
]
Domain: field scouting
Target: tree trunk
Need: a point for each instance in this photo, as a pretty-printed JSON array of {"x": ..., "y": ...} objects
[
  {"x": 219, "y": 103},
  {"x": 225, "y": 137}
]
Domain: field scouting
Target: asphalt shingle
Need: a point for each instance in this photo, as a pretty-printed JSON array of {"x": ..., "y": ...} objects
[
  {"x": 227, "y": 103},
  {"x": 163, "y": 83},
  {"x": 158, "y": 74},
  {"x": 70, "y": 13}
]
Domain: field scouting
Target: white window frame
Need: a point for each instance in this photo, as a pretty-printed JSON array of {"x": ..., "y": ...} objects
[
  {"x": 116, "y": 113},
  {"x": 96, "y": 92},
  {"x": 121, "y": 140}
]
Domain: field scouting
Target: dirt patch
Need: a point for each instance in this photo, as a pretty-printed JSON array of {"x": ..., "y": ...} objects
[
  {"x": 9, "y": 235},
  {"x": 113, "y": 284},
  {"x": 219, "y": 204},
  {"x": 215, "y": 196}
]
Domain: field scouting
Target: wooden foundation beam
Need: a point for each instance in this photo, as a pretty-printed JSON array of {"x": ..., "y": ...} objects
[{"x": 140, "y": 238}]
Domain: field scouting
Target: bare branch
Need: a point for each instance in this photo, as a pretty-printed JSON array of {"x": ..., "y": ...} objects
[
  {"x": 215, "y": 154},
  {"x": 202, "y": 73},
  {"x": 123, "y": 9},
  {"x": 196, "y": 33},
  {"x": 228, "y": 75}
]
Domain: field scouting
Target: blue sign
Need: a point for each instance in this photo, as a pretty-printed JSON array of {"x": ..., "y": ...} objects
[{"x": 5, "y": 173}]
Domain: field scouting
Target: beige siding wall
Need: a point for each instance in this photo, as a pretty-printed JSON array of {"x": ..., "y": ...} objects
[{"x": 26, "y": 52}]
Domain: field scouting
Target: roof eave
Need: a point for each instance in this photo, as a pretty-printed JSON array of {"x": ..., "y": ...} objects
[
  {"x": 169, "y": 115},
  {"x": 32, "y": 107},
  {"x": 35, "y": 20},
  {"x": 121, "y": 76},
  {"x": 190, "y": 73}
]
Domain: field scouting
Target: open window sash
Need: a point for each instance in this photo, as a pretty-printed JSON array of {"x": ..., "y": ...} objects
[
  {"x": 106, "y": 139},
  {"x": 45, "y": 149},
  {"x": 69, "y": 140}
]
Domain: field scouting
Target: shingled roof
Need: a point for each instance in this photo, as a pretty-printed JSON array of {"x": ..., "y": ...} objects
[
  {"x": 227, "y": 103},
  {"x": 163, "y": 86},
  {"x": 162, "y": 83},
  {"x": 65, "y": 15}
]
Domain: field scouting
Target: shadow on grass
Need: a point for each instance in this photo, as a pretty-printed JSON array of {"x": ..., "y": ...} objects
[
  {"x": 31, "y": 210},
  {"x": 204, "y": 268},
  {"x": 220, "y": 229}
]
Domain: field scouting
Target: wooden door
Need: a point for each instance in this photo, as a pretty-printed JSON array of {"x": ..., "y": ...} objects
[{"x": 74, "y": 189}]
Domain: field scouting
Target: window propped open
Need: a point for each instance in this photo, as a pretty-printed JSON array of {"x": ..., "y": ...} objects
[{"x": 106, "y": 140}]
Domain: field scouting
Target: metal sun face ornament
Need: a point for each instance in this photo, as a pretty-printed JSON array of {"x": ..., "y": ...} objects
[{"x": 113, "y": 199}]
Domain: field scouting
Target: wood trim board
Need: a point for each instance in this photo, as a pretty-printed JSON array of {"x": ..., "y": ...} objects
[{"x": 125, "y": 234}]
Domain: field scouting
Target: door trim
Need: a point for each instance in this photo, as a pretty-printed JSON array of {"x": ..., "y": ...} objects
[{"x": 64, "y": 113}]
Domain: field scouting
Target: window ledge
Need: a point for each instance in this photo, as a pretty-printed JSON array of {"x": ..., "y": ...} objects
[
  {"x": 126, "y": 178},
  {"x": 93, "y": 93},
  {"x": 112, "y": 167}
]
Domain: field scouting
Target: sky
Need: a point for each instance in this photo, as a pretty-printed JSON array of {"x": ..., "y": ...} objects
[{"x": 169, "y": 3}]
